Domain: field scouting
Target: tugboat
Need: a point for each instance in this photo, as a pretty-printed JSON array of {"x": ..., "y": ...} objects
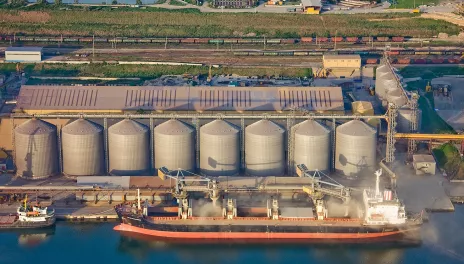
[{"x": 28, "y": 217}]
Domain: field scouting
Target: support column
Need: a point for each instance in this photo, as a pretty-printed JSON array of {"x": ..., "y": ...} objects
[
  {"x": 196, "y": 122},
  {"x": 242, "y": 144},
  {"x": 391, "y": 122},
  {"x": 332, "y": 158},
  {"x": 152, "y": 146},
  {"x": 60, "y": 149},
  {"x": 105, "y": 140},
  {"x": 413, "y": 125},
  {"x": 290, "y": 169}
]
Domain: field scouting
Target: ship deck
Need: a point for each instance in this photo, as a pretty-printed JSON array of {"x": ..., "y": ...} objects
[{"x": 256, "y": 221}]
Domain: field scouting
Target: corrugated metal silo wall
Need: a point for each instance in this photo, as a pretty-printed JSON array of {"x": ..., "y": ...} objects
[
  {"x": 219, "y": 149},
  {"x": 36, "y": 149},
  {"x": 128, "y": 146},
  {"x": 264, "y": 149},
  {"x": 312, "y": 146},
  {"x": 404, "y": 119},
  {"x": 83, "y": 153},
  {"x": 175, "y": 146},
  {"x": 355, "y": 148}
]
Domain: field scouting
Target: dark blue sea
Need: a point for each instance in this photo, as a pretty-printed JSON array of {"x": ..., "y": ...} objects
[{"x": 82, "y": 243}]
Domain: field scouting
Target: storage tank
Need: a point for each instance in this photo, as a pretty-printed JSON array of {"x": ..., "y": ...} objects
[
  {"x": 128, "y": 147},
  {"x": 355, "y": 148},
  {"x": 404, "y": 119},
  {"x": 312, "y": 146},
  {"x": 264, "y": 149},
  {"x": 36, "y": 149},
  {"x": 219, "y": 149},
  {"x": 82, "y": 148},
  {"x": 175, "y": 146}
]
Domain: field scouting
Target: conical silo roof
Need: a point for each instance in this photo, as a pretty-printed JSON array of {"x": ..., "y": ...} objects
[
  {"x": 173, "y": 127},
  {"x": 82, "y": 127},
  {"x": 356, "y": 128},
  {"x": 127, "y": 127},
  {"x": 311, "y": 128},
  {"x": 35, "y": 127},
  {"x": 219, "y": 127},
  {"x": 264, "y": 127}
]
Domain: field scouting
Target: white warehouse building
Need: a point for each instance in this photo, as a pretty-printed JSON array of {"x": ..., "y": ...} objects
[{"x": 23, "y": 54}]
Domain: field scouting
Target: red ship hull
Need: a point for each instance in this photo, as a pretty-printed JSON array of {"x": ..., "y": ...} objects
[{"x": 256, "y": 235}]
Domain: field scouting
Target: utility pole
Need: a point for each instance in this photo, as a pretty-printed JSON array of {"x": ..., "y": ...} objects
[
  {"x": 166, "y": 43},
  {"x": 336, "y": 31},
  {"x": 264, "y": 42},
  {"x": 93, "y": 46}
]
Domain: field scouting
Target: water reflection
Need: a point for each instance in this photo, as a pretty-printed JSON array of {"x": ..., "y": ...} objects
[
  {"x": 34, "y": 237},
  {"x": 273, "y": 251}
]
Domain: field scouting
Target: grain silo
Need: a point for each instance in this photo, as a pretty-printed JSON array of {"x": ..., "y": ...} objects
[
  {"x": 36, "y": 149},
  {"x": 355, "y": 148},
  {"x": 264, "y": 149},
  {"x": 404, "y": 119},
  {"x": 175, "y": 146},
  {"x": 83, "y": 153},
  {"x": 312, "y": 146},
  {"x": 219, "y": 149},
  {"x": 128, "y": 147}
]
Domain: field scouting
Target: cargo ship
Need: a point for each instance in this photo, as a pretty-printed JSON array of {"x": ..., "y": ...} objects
[
  {"x": 384, "y": 216},
  {"x": 28, "y": 217}
]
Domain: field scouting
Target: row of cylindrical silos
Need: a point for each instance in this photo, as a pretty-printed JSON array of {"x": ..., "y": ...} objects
[{"x": 175, "y": 143}]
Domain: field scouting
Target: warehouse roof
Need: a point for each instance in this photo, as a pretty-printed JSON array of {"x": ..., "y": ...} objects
[
  {"x": 316, "y": 3},
  {"x": 341, "y": 57},
  {"x": 179, "y": 98},
  {"x": 24, "y": 49}
]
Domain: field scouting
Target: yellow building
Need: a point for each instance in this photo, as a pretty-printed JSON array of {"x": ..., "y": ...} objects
[
  {"x": 341, "y": 61},
  {"x": 311, "y": 6}
]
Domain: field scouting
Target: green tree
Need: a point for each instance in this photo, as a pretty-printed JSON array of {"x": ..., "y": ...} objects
[
  {"x": 42, "y": 2},
  {"x": 17, "y": 3},
  {"x": 138, "y": 2},
  {"x": 58, "y": 2},
  {"x": 76, "y": 2},
  {"x": 114, "y": 2}
]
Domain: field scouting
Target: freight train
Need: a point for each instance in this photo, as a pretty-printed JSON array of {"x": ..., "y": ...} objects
[{"x": 303, "y": 40}]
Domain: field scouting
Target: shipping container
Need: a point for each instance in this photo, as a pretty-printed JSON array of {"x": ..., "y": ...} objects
[
  {"x": 454, "y": 60},
  {"x": 257, "y": 40},
  {"x": 438, "y": 61},
  {"x": 371, "y": 61},
  {"x": 129, "y": 40},
  {"x": 244, "y": 41},
  {"x": 287, "y": 41},
  {"x": 421, "y": 53},
  {"x": 230, "y": 41},
  {"x": 115, "y": 40},
  {"x": 420, "y": 61},
  {"x": 366, "y": 39},
  {"x": 202, "y": 40},
  {"x": 407, "y": 52},
  {"x": 56, "y": 39},
  {"x": 315, "y": 53},
  {"x": 71, "y": 40},
  {"x": 306, "y": 39},
  {"x": 397, "y": 39},
  {"x": 158, "y": 40},
  {"x": 300, "y": 53},
  {"x": 337, "y": 39},
  {"x": 270, "y": 53},
  {"x": 85, "y": 39},
  {"x": 436, "y": 53},
  {"x": 343, "y": 52},
  {"x": 351, "y": 39},
  {"x": 404, "y": 61},
  {"x": 101, "y": 40},
  {"x": 145, "y": 40},
  {"x": 273, "y": 41},
  {"x": 383, "y": 39},
  {"x": 256, "y": 53},
  {"x": 173, "y": 40},
  {"x": 241, "y": 53},
  {"x": 286, "y": 53},
  {"x": 322, "y": 39},
  {"x": 216, "y": 41},
  {"x": 187, "y": 40},
  {"x": 393, "y": 52},
  {"x": 30, "y": 39}
]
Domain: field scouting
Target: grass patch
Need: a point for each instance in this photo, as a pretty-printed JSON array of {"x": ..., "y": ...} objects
[
  {"x": 449, "y": 158},
  {"x": 144, "y": 71},
  {"x": 155, "y": 22},
  {"x": 177, "y": 3},
  {"x": 410, "y": 3}
]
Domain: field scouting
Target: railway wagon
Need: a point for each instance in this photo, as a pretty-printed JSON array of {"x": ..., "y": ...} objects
[{"x": 351, "y": 39}]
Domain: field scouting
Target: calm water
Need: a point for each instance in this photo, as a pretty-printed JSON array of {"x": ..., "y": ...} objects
[{"x": 98, "y": 243}]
